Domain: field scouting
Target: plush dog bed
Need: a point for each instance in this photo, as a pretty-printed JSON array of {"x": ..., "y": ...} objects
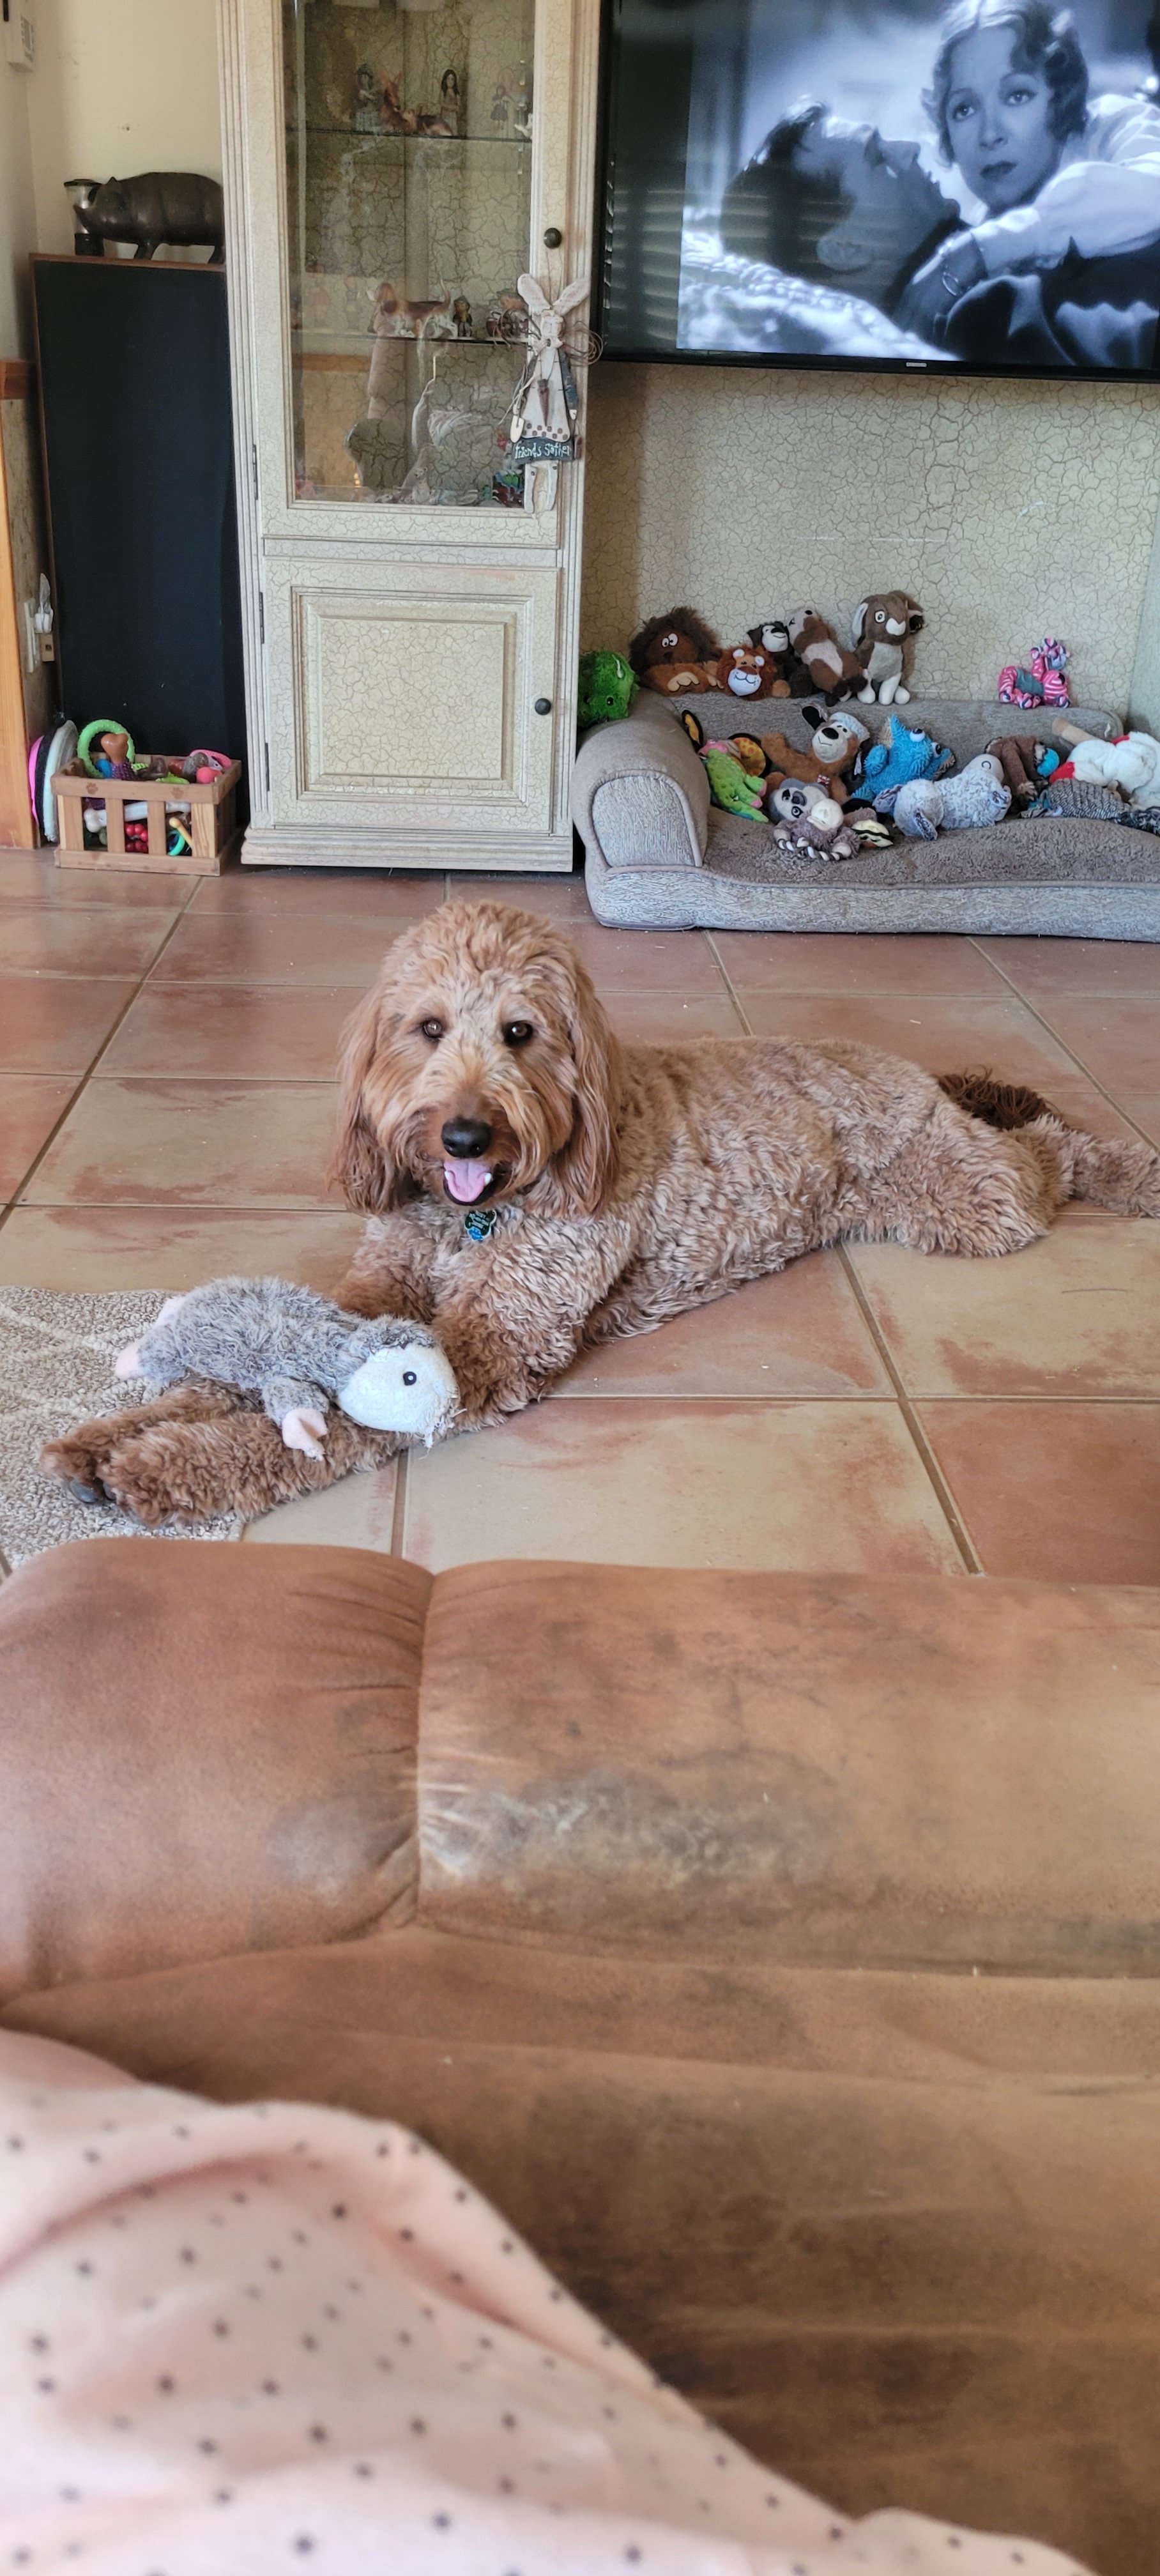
[{"x": 658, "y": 855}]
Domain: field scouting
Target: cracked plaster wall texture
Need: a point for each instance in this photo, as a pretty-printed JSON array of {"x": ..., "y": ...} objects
[{"x": 1010, "y": 510}]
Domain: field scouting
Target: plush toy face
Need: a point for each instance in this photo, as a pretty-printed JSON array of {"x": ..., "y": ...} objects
[
  {"x": 794, "y": 798},
  {"x": 746, "y": 670},
  {"x": 673, "y": 646},
  {"x": 408, "y": 1387},
  {"x": 773, "y": 637},
  {"x": 886, "y": 618},
  {"x": 836, "y": 740}
]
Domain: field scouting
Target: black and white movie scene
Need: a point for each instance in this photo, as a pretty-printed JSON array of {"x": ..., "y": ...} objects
[{"x": 976, "y": 183}]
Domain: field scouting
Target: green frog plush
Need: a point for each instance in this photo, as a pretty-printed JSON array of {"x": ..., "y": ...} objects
[
  {"x": 607, "y": 688},
  {"x": 730, "y": 785}
]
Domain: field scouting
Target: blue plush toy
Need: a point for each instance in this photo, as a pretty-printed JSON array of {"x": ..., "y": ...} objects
[{"x": 900, "y": 755}]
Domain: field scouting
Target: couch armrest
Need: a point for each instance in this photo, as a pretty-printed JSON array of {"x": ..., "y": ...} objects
[
  {"x": 640, "y": 796},
  {"x": 203, "y": 1751}
]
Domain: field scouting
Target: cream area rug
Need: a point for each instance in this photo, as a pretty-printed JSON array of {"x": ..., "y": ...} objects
[{"x": 56, "y": 1369}]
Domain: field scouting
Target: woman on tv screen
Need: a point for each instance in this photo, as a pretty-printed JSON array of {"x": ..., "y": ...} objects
[{"x": 1071, "y": 188}]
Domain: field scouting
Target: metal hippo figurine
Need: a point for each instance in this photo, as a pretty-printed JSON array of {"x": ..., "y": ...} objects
[{"x": 174, "y": 206}]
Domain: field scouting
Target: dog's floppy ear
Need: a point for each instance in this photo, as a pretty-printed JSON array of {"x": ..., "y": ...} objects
[
  {"x": 914, "y": 617},
  {"x": 586, "y": 1170},
  {"x": 858, "y": 624},
  {"x": 365, "y": 1175}
]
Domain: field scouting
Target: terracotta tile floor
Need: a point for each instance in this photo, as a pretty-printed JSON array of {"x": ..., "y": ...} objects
[{"x": 166, "y": 1053}]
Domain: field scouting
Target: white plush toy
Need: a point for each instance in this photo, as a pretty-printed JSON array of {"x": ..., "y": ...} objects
[
  {"x": 294, "y": 1348},
  {"x": 977, "y": 794},
  {"x": 1132, "y": 763}
]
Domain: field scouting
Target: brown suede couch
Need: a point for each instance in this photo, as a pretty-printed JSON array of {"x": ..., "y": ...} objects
[{"x": 780, "y": 1953}]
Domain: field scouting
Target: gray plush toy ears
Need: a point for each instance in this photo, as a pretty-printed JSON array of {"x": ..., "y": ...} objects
[
  {"x": 857, "y": 624},
  {"x": 384, "y": 1333}
]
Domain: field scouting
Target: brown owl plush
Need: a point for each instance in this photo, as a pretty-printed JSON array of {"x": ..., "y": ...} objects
[{"x": 676, "y": 654}]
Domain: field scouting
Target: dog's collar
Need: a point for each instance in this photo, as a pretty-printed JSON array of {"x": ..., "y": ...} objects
[{"x": 480, "y": 1222}]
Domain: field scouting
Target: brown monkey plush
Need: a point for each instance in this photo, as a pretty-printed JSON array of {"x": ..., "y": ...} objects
[
  {"x": 1019, "y": 757},
  {"x": 833, "y": 672},
  {"x": 677, "y": 653}
]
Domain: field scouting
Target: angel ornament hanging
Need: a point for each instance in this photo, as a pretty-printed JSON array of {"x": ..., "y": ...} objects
[{"x": 543, "y": 427}]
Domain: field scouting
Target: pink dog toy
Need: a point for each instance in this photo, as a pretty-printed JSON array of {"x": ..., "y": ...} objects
[{"x": 1043, "y": 684}]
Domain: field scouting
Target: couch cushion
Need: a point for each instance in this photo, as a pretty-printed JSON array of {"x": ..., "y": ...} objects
[
  {"x": 202, "y": 1749},
  {"x": 915, "y": 1771},
  {"x": 943, "y": 2293},
  {"x": 321, "y": 2024}
]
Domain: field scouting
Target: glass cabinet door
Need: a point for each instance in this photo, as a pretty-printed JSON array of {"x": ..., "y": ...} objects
[{"x": 409, "y": 173}]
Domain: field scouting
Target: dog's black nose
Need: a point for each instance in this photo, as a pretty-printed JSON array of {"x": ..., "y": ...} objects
[{"x": 467, "y": 1137}]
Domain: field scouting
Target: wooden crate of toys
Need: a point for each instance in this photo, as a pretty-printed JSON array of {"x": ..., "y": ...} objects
[{"x": 116, "y": 810}]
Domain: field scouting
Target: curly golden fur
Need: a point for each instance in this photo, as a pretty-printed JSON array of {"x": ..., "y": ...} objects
[{"x": 628, "y": 1185}]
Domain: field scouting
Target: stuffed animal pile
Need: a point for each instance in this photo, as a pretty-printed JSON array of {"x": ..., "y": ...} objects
[
  {"x": 785, "y": 657},
  {"x": 845, "y": 793}
]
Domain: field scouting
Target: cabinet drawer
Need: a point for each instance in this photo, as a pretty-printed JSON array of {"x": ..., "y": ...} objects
[{"x": 403, "y": 695}]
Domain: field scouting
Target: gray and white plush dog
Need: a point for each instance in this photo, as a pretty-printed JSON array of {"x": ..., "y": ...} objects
[
  {"x": 979, "y": 794},
  {"x": 295, "y": 1349}
]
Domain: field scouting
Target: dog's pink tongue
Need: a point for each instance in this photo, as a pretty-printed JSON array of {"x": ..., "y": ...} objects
[{"x": 466, "y": 1181}]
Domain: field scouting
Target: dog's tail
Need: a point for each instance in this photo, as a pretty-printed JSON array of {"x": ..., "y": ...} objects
[{"x": 1124, "y": 1177}]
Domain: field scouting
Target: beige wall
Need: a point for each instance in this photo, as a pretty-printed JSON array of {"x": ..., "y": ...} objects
[
  {"x": 120, "y": 86},
  {"x": 1144, "y": 697},
  {"x": 1008, "y": 510},
  {"x": 17, "y": 209}
]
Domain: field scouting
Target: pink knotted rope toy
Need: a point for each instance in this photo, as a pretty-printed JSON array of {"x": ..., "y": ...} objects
[{"x": 1043, "y": 683}]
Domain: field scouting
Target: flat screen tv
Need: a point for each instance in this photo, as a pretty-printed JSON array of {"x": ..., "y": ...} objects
[{"x": 879, "y": 184}]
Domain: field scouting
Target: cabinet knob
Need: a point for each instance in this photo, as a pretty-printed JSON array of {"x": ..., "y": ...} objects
[
  {"x": 553, "y": 237},
  {"x": 543, "y": 706}
]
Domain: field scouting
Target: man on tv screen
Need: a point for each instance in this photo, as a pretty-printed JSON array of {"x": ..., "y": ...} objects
[{"x": 1001, "y": 208}]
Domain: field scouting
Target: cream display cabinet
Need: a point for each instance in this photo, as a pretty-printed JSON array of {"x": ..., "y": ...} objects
[{"x": 410, "y": 595}]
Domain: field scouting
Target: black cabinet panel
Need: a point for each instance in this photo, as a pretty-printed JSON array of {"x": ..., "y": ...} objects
[{"x": 135, "y": 401}]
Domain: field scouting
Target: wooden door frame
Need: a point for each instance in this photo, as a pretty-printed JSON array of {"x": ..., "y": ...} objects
[{"x": 16, "y": 826}]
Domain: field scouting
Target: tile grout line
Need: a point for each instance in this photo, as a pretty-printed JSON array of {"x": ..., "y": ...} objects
[
  {"x": 727, "y": 980},
  {"x": 935, "y": 1477},
  {"x": 399, "y": 1514},
  {"x": 90, "y": 1069},
  {"x": 1077, "y": 1060}
]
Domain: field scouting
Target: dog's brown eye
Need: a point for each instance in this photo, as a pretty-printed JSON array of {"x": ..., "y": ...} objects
[
  {"x": 432, "y": 1029},
  {"x": 517, "y": 1032}
]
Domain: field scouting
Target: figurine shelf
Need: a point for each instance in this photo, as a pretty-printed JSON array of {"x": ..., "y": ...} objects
[{"x": 411, "y": 589}]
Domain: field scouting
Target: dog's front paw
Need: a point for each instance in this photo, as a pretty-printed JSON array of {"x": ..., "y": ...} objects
[{"x": 78, "y": 1460}]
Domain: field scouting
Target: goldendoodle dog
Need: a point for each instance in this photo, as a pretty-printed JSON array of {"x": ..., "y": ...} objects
[{"x": 532, "y": 1187}]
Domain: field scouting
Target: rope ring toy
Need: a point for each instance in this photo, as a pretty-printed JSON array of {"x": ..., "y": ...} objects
[{"x": 103, "y": 724}]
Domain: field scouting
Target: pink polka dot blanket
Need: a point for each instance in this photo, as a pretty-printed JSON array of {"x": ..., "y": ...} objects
[{"x": 267, "y": 2337}]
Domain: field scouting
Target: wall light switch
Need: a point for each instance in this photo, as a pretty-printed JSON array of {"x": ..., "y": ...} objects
[{"x": 20, "y": 33}]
